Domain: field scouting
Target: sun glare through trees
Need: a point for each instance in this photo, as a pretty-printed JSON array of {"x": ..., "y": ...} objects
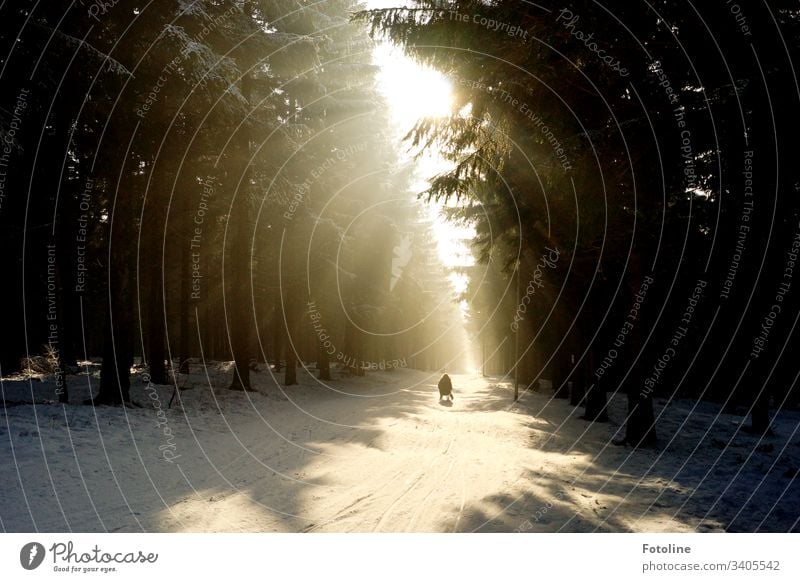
[{"x": 399, "y": 266}]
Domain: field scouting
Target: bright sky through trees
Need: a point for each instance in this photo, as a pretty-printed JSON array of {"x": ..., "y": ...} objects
[{"x": 414, "y": 92}]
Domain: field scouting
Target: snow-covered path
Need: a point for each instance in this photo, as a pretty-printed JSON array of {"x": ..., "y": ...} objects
[{"x": 380, "y": 453}]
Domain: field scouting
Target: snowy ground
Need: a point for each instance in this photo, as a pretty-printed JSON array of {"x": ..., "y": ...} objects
[{"x": 379, "y": 453}]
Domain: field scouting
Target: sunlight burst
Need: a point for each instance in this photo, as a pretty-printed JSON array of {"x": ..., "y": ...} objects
[{"x": 413, "y": 92}]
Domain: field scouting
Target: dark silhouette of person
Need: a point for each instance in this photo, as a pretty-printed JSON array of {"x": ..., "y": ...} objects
[{"x": 445, "y": 387}]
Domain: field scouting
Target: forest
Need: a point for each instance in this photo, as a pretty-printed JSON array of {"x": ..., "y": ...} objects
[{"x": 196, "y": 171}]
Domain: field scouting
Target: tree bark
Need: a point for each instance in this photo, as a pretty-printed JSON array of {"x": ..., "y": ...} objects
[
  {"x": 239, "y": 224},
  {"x": 277, "y": 333},
  {"x": 156, "y": 332},
  {"x": 759, "y": 414},
  {"x": 323, "y": 362},
  {"x": 186, "y": 301},
  {"x": 596, "y": 402},
  {"x": 291, "y": 343},
  {"x": 239, "y": 328},
  {"x": 290, "y": 373},
  {"x": 117, "y": 346},
  {"x": 61, "y": 348},
  {"x": 560, "y": 375},
  {"x": 640, "y": 430},
  {"x": 578, "y": 384}
]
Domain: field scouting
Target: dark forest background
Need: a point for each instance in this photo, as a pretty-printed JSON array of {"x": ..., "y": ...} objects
[{"x": 652, "y": 144}]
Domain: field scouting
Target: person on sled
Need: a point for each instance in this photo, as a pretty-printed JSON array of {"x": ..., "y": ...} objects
[{"x": 445, "y": 387}]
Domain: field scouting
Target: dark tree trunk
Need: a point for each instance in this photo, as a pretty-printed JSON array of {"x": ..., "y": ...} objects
[
  {"x": 183, "y": 348},
  {"x": 61, "y": 381},
  {"x": 59, "y": 341},
  {"x": 119, "y": 325},
  {"x": 62, "y": 390},
  {"x": 358, "y": 353},
  {"x": 277, "y": 334},
  {"x": 560, "y": 375},
  {"x": 115, "y": 382},
  {"x": 239, "y": 257},
  {"x": 239, "y": 328},
  {"x": 206, "y": 332},
  {"x": 156, "y": 332},
  {"x": 187, "y": 306},
  {"x": 759, "y": 415},
  {"x": 596, "y": 402},
  {"x": 290, "y": 374},
  {"x": 291, "y": 343},
  {"x": 323, "y": 362},
  {"x": 578, "y": 384},
  {"x": 117, "y": 346},
  {"x": 360, "y": 371},
  {"x": 152, "y": 232},
  {"x": 351, "y": 350},
  {"x": 640, "y": 430}
]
